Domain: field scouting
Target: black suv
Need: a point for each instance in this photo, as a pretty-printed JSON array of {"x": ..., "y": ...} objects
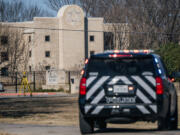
[{"x": 125, "y": 87}]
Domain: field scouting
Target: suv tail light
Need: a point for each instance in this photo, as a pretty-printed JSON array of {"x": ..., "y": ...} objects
[
  {"x": 83, "y": 86},
  {"x": 159, "y": 86}
]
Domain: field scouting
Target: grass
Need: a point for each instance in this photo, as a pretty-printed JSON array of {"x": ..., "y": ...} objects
[{"x": 61, "y": 111}]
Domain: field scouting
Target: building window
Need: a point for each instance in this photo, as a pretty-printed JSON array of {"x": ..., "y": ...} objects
[
  {"x": 4, "y": 56},
  {"x": 4, "y": 40},
  {"x": 4, "y": 71},
  {"x": 91, "y": 53},
  {"x": 29, "y": 39},
  {"x": 30, "y": 69},
  {"x": 91, "y": 38},
  {"x": 47, "y": 67},
  {"x": 30, "y": 54},
  {"x": 47, "y": 38},
  {"x": 47, "y": 54}
]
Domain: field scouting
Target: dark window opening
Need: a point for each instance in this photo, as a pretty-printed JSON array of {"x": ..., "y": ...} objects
[
  {"x": 29, "y": 39},
  {"x": 30, "y": 69},
  {"x": 91, "y": 53},
  {"x": 72, "y": 80},
  {"x": 4, "y": 40},
  {"x": 4, "y": 56},
  {"x": 47, "y": 67},
  {"x": 4, "y": 71},
  {"x": 47, "y": 54},
  {"x": 47, "y": 38},
  {"x": 30, "y": 54},
  {"x": 91, "y": 38}
]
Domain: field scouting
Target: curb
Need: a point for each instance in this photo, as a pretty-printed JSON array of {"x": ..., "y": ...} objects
[{"x": 28, "y": 94}]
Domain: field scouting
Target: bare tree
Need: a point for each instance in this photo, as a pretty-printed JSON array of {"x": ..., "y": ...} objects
[
  {"x": 150, "y": 22},
  {"x": 17, "y": 11},
  {"x": 57, "y": 4},
  {"x": 13, "y": 50},
  {"x": 155, "y": 21},
  {"x": 87, "y": 5}
]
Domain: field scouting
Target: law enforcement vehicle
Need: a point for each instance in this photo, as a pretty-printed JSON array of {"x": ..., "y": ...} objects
[{"x": 126, "y": 86}]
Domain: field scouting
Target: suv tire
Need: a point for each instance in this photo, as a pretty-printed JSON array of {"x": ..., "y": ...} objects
[
  {"x": 102, "y": 124},
  {"x": 164, "y": 122},
  {"x": 86, "y": 125},
  {"x": 174, "y": 118}
]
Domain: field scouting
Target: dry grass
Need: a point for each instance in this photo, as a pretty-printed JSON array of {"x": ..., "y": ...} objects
[
  {"x": 44, "y": 111},
  {"x": 1, "y": 133},
  {"x": 50, "y": 111}
]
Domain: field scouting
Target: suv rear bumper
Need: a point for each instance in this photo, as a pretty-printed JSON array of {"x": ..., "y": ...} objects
[{"x": 135, "y": 112}]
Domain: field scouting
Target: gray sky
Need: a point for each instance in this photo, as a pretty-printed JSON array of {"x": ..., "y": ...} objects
[{"x": 40, "y": 3}]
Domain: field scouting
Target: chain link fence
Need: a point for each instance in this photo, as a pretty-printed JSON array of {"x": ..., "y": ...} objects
[{"x": 42, "y": 80}]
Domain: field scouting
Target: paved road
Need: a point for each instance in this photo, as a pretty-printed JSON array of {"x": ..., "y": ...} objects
[{"x": 64, "y": 130}]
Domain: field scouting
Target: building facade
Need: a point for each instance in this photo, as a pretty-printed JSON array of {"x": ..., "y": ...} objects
[{"x": 58, "y": 43}]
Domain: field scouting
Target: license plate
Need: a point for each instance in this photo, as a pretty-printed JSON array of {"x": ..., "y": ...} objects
[{"x": 120, "y": 89}]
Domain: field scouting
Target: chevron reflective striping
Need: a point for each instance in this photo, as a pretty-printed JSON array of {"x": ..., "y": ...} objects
[
  {"x": 87, "y": 108},
  {"x": 142, "y": 109},
  {"x": 98, "y": 97},
  {"x": 117, "y": 78},
  {"x": 145, "y": 86},
  {"x": 151, "y": 80},
  {"x": 98, "y": 84},
  {"x": 143, "y": 97},
  {"x": 97, "y": 110},
  {"x": 154, "y": 108},
  {"x": 90, "y": 80}
]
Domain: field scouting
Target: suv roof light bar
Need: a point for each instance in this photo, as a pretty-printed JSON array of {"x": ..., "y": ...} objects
[
  {"x": 130, "y": 51},
  {"x": 119, "y": 55}
]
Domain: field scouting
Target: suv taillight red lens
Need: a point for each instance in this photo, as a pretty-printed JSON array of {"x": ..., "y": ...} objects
[
  {"x": 83, "y": 86},
  {"x": 159, "y": 86}
]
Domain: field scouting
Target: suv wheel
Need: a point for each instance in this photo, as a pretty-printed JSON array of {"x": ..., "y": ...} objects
[
  {"x": 174, "y": 118},
  {"x": 164, "y": 122},
  {"x": 101, "y": 124},
  {"x": 86, "y": 125}
]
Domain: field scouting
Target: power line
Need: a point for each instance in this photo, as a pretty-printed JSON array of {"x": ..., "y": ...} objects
[
  {"x": 130, "y": 32},
  {"x": 153, "y": 8}
]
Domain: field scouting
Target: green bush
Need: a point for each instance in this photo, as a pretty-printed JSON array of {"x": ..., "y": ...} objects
[{"x": 170, "y": 53}]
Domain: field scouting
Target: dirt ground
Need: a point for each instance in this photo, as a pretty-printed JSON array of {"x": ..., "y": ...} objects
[
  {"x": 61, "y": 111},
  {"x": 4, "y": 134}
]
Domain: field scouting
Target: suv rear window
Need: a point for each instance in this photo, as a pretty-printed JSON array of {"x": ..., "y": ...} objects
[{"x": 122, "y": 66}]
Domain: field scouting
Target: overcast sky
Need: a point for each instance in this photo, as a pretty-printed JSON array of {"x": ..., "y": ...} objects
[{"x": 38, "y": 2}]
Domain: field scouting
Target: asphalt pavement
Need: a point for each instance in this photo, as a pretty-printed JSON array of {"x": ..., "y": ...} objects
[{"x": 18, "y": 129}]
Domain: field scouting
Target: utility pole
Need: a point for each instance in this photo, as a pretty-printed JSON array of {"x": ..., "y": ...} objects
[
  {"x": 86, "y": 37},
  {"x": 16, "y": 82}
]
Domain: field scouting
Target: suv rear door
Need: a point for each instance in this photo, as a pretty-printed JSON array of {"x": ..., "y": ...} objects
[{"x": 124, "y": 80}]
